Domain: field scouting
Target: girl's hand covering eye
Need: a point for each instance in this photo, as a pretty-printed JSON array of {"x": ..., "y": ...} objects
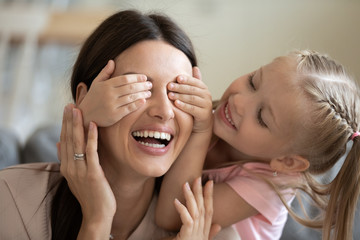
[
  {"x": 110, "y": 99},
  {"x": 191, "y": 95}
]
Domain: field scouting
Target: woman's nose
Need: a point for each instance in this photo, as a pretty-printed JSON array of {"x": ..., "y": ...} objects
[{"x": 161, "y": 106}]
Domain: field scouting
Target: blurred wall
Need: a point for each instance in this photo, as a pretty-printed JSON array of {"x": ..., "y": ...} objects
[{"x": 233, "y": 37}]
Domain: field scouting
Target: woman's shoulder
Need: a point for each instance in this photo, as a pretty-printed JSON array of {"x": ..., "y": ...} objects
[
  {"x": 28, "y": 167},
  {"x": 26, "y": 193},
  {"x": 29, "y": 173}
]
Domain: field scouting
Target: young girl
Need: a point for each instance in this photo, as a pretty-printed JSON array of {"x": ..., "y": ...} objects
[{"x": 275, "y": 129}]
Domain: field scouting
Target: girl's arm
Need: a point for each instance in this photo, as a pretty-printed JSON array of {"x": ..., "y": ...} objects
[
  {"x": 191, "y": 95},
  {"x": 229, "y": 207}
]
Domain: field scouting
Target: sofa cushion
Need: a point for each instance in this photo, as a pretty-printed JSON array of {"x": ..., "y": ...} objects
[
  {"x": 41, "y": 145},
  {"x": 9, "y": 148}
]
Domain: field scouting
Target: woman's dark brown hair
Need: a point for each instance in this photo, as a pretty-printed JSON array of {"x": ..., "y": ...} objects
[{"x": 110, "y": 39}]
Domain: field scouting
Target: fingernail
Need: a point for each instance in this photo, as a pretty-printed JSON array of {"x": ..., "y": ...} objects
[
  {"x": 91, "y": 126},
  {"x": 187, "y": 186},
  {"x": 67, "y": 108},
  {"x": 211, "y": 183},
  {"x": 181, "y": 78},
  {"x": 149, "y": 84},
  {"x": 171, "y": 85},
  {"x": 107, "y": 65},
  {"x": 179, "y": 103},
  {"x": 74, "y": 112}
]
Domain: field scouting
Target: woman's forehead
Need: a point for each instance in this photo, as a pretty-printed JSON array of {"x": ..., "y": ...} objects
[{"x": 153, "y": 56}]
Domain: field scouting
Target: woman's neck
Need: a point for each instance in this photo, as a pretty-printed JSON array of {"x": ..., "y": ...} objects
[{"x": 133, "y": 196}]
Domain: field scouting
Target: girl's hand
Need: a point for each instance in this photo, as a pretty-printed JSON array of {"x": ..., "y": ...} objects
[
  {"x": 110, "y": 99},
  {"x": 196, "y": 216},
  {"x": 85, "y": 176},
  {"x": 192, "y": 96}
]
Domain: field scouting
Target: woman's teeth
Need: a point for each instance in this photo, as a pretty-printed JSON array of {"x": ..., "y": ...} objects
[
  {"x": 148, "y": 138},
  {"x": 227, "y": 115}
]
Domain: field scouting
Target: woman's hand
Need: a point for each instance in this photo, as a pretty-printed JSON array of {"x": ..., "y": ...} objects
[
  {"x": 196, "y": 216},
  {"x": 85, "y": 176},
  {"x": 191, "y": 95},
  {"x": 110, "y": 99}
]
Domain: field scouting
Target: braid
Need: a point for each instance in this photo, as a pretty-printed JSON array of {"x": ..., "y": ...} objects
[{"x": 333, "y": 110}]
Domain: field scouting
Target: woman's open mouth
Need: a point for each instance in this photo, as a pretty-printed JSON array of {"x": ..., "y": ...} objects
[{"x": 154, "y": 139}]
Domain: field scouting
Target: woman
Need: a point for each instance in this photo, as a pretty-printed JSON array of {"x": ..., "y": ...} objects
[{"x": 111, "y": 190}]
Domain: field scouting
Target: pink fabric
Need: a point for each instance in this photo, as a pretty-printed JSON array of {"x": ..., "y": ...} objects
[{"x": 270, "y": 221}]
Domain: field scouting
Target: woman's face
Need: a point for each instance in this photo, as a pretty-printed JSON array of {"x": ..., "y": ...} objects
[
  {"x": 261, "y": 111},
  {"x": 157, "y": 118}
]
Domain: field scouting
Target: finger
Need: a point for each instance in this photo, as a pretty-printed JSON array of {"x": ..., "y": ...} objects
[
  {"x": 78, "y": 137},
  {"x": 69, "y": 139},
  {"x": 190, "y": 201},
  {"x": 198, "y": 89},
  {"x": 133, "y": 88},
  {"x": 193, "y": 100},
  {"x": 214, "y": 230},
  {"x": 129, "y": 108},
  {"x": 63, "y": 155},
  {"x": 129, "y": 98},
  {"x": 185, "y": 217},
  {"x": 91, "y": 148},
  {"x": 189, "y": 80},
  {"x": 128, "y": 79},
  {"x": 208, "y": 205},
  {"x": 198, "y": 193},
  {"x": 106, "y": 72},
  {"x": 189, "y": 108},
  {"x": 197, "y": 73}
]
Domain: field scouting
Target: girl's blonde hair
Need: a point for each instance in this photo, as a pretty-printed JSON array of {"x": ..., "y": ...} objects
[{"x": 333, "y": 118}]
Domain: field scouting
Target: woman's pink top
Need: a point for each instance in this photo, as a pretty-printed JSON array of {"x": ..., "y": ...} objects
[{"x": 270, "y": 221}]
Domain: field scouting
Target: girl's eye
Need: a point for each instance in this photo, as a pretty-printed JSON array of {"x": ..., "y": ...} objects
[
  {"x": 260, "y": 120},
  {"x": 251, "y": 82}
]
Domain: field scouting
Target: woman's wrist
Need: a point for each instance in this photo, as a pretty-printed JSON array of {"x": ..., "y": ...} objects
[{"x": 95, "y": 229}]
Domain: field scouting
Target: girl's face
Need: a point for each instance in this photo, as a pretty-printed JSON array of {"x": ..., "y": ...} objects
[
  {"x": 261, "y": 111},
  {"x": 149, "y": 156}
]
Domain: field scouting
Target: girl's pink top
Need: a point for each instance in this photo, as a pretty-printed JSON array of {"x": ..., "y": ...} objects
[{"x": 270, "y": 221}]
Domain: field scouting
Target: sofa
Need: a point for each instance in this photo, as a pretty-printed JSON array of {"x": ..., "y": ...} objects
[{"x": 41, "y": 147}]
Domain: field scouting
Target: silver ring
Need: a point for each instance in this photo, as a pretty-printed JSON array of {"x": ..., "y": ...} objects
[{"x": 79, "y": 156}]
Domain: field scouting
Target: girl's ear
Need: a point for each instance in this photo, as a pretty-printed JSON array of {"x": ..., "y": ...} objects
[
  {"x": 289, "y": 164},
  {"x": 81, "y": 91}
]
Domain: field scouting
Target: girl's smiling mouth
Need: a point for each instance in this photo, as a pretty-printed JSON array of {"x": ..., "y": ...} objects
[{"x": 228, "y": 115}]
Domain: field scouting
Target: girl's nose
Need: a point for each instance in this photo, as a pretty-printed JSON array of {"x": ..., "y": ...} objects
[{"x": 241, "y": 102}]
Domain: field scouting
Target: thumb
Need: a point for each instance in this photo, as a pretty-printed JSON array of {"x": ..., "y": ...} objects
[
  {"x": 106, "y": 72},
  {"x": 196, "y": 73},
  {"x": 214, "y": 230}
]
